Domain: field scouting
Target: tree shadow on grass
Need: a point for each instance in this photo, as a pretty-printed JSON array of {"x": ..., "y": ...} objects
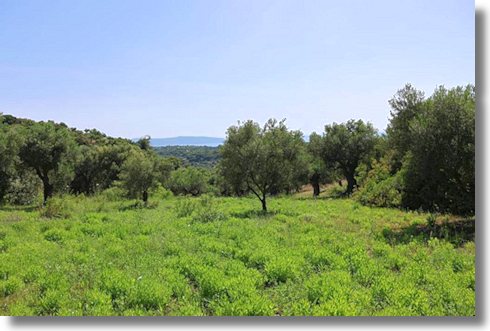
[
  {"x": 19, "y": 208},
  {"x": 326, "y": 195},
  {"x": 456, "y": 232},
  {"x": 254, "y": 213},
  {"x": 133, "y": 205}
]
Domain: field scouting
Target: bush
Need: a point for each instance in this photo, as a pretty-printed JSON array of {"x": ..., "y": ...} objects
[
  {"x": 113, "y": 194},
  {"x": 10, "y": 286},
  {"x": 50, "y": 304},
  {"x": 54, "y": 235},
  {"x": 335, "y": 191},
  {"x": 161, "y": 193},
  {"x": 207, "y": 210},
  {"x": 184, "y": 207},
  {"x": 378, "y": 187},
  {"x": 23, "y": 190},
  {"x": 56, "y": 207}
]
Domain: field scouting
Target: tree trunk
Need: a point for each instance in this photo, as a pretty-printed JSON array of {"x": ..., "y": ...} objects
[
  {"x": 351, "y": 183},
  {"x": 316, "y": 189},
  {"x": 315, "y": 182},
  {"x": 47, "y": 190},
  {"x": 264, "y": 204},
  {"x": 145, "y": 197}
]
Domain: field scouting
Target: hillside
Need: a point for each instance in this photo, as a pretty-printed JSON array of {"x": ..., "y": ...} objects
[{"x": 203, "y": 156}]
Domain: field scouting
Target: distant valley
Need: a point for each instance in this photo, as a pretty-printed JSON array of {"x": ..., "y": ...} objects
[
  {"x": 199, "y": 156},
  {"x": 187, "y": 141}
]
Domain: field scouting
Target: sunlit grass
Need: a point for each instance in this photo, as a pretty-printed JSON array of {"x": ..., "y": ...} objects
[{"x": 222, "y": 256}]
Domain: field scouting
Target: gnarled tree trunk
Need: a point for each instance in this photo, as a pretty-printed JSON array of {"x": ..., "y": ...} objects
[
  {"x": 351, "y": 184},
  {"x": 48, "y": 190}
]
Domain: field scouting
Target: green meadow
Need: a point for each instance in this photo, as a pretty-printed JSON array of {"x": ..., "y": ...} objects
[{"x": 104, "y": 255}]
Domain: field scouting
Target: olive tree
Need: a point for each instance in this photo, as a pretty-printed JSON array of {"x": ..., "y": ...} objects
[
  {"x": 264, "y": 159},
  {"x": 406, "y": 105},
  {"x": 49, "y": 149},
  {"x": 138, "y": 174},
  {"x": 346, "y": 145},
  {"x": 318, "y": 172},
  {"x": 440, "y": 164},
  {"x": 98, "y": 166},
  {"x": 8, "y": 155},
  {"x": 188, "y": 180}
]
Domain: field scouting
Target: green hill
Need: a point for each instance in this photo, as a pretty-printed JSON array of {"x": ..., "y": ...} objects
[{"x": 202, "y": 156}]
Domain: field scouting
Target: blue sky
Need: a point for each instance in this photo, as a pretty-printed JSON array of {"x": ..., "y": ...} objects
[{"x": 168, "y": 68}]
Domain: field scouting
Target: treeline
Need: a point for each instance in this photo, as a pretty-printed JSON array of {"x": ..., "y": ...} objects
[
  {"x": 199, "y": 156},
  {"x": 425, "y": 160},
  {"x": 47, "y": 158}
]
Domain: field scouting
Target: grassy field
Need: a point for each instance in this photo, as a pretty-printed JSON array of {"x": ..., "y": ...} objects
[{"x": 220, "y": 256}]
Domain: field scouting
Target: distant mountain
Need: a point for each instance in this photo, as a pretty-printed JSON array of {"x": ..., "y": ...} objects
[
  {"x": 192, "y": 141},
  {"x": 187, "y": 141}
]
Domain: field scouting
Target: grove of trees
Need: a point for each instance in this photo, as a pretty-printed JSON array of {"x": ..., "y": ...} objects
[{"x": 425, "y": 160}]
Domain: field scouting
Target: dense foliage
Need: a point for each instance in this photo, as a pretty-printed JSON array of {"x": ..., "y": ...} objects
[
  {"x": 429, "y": 161},
  {"x": 441, "y": 165},
  {"x": 378, "y": 187}
]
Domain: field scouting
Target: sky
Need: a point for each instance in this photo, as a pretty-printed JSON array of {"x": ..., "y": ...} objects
[{"x": 177, "y": 68}]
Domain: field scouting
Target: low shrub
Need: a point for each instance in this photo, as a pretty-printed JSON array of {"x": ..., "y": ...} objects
[
  {"x": 280, "y": 269},
  {"x": 10, "y": 286},
  {"x": 161, "y": 193},
  {"x": 96, "y": 303},
  {"x": 149, "y": 294},
  {"x": 113, "y": 194},
  {"x": 32, "y": 274},
  {"x": 207, "y": 210},
  {"x": 117, "y": 285},
  {"x": 50, "y": 303},
  {"x": 431, "y": 221},
  {"x": 54, "y": 235},
  {"x": 184, "y": 207},
  {"x": 57, "y": 207}
]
